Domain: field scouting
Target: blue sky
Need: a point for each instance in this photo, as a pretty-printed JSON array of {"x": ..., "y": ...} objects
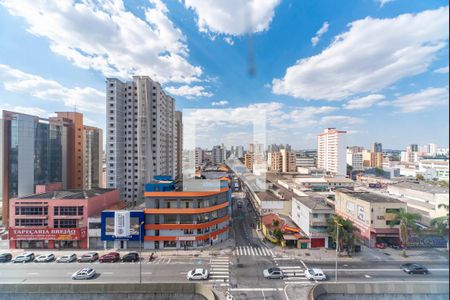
[{"x": 377, "y": 68}]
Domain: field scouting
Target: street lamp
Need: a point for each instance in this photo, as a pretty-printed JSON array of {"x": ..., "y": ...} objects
[
  {"x": 140, "y": 251},
  {"x": 337, "y": 247}
]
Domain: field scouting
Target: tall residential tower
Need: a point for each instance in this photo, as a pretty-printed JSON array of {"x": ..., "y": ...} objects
[
  {"x": 331, "y": 151},
  {"x": 140, "y": 135}
]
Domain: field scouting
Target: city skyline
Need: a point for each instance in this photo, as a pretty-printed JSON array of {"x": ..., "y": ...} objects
[{"x": 300, "y": 85}]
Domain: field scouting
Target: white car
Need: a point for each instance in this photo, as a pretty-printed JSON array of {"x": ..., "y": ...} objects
[
  {"x": 273, "y": 273},
  {"x": 45, "y": 258},
  {"x": 86, "y": 273},
  {"x": 67, "y": 258},
  {"x": 315, "y": 274},
  {"x": 198, "y": 274},
  {"x": 24, "y": 258}
]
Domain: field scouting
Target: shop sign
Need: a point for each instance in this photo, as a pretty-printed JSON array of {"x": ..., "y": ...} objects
[{"x": 61, "y": 234}]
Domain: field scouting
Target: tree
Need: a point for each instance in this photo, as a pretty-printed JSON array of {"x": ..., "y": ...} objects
[
  {"x": 441, "y": 223},
  {"x": 407, "y": 222},
  {"x": 347, "y": 236},
  {"x": 420, "y": 177},
  {"x": 379, "y": 171},
  {"x": 278, "y": 234}
]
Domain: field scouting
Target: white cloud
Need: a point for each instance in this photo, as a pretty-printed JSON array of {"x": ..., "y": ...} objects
[
  {"x": 372, "y": 55},
  {"x": 220, "y": 103},
  {"x": 104, "y": 36},
  {"x": 334, "y": 120},
  {"x": 86, "y": 99},
  {"x": 229, "y": 40},
  {"x": 35, "y": 111},
  {"x": 233, "y": 17},
  {"x": 443, "y": 70},
  {"x": 319, "y": 33},
  {"x": 189, "y": 92},
  {"x": 383, "y": 2},
  {"x": 364, "y": 102},
  {"x": 426, "y": 99}
]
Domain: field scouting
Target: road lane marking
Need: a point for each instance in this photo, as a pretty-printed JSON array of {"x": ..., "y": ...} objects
[
  {"x": 32, "y": 273},
  {"x": 255, "y": 289},
  {"x": 377, "y": 270},
  {"x": 107, "y": 273}
]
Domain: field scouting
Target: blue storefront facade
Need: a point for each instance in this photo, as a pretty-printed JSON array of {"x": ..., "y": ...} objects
[{"x": 135, "y": 232}]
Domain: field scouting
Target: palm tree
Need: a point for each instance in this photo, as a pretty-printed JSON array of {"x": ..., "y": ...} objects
[
  {"x": 407, "y": 222},
  {"x": 346, "y": 233},
  {"x": 441, "y": 223}
]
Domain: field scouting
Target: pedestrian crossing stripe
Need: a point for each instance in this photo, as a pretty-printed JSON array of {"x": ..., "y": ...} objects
[{"x": 252, "y": 251}]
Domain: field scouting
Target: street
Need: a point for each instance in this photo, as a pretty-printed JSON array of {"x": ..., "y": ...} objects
[{"x": 240, "y": 272}]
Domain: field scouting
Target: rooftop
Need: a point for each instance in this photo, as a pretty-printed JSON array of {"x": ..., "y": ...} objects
[
  {"x": 369, "y": 197},
  {"x": 314, "y": 202},
  {"x": 69, "y": 194},
  {"x": 423, "y": 187}
]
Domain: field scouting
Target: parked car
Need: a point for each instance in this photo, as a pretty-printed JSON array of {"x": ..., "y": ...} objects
[
  {"x": 273, "y": 273},
  {"x": 45, "y": 258},
  {"x": 315, "y": 274},
  {"x": 131, "y": 257},
  {"x": 414, "y": 269},
  {"x": 5, "y": 257},
  {"x": 24, "y": 258},
  {"x": 83, "y": 274},
  {"x": 380, "y": 245},
  {"x": 88, "y": 257},
  {"x": 110, "y": 257},
  {"x": 69, "y": 258},
  {"x": 198, "y": 274}
]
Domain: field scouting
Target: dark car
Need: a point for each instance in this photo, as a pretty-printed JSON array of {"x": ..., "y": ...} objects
[
  {"x": 110, "y": 257},
  {"x": 414, "y": 269},
  {"x": 5, "y": 257},
  {"x": 89, "y": 257},
  {"x": 131, "y": 257}
]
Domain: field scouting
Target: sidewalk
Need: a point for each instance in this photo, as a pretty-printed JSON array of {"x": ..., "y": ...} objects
[{"x": 224, "y": 248}]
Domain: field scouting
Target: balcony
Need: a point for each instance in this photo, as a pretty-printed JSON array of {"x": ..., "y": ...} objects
[{"x": 319, "y": 223}]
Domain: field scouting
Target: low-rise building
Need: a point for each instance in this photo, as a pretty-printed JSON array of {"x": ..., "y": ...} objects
[
  {"x": 280, "y": 229},
  {"x": 324, "y": 183},
  {"x": 371, "y": 213},
  {"x": 56, "y": 219},
  {"x": 422, "y": 198},
  {"x": 186, "y": 219},
  {"x": 311, "y": 214}
]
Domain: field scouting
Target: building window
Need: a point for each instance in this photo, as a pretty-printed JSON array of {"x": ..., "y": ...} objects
[
  {"x": 66, "y": 223},
  {"x": 315, "y": 216},
  {"x": 31, "y": 222}
]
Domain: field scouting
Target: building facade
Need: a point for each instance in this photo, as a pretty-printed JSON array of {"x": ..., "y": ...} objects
[
  {"x": 181, "y": 219},
  {"x": 92, "y": 158},
  {"x": 179, "y": 145},
  {"x": 371, "y": 213},
  {"x": 311, "y": 214},
  {"x": 331, "y": 151},
  {"x": 141, "y": 135},
  {"x": 57, "y": 219},
  {"x": 35, "y": 152}
]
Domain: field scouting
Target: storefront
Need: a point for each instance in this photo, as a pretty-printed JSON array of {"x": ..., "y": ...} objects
[{"x": 48, "y": 238}]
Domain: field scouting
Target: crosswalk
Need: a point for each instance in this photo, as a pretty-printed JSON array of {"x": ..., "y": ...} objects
[
  {"x": 293, "y": 274},
  {"x": 219, "y": 271},
  {"x": 253, "y": 251}
]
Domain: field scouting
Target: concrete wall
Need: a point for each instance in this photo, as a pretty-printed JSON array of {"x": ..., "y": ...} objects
[
  {"x": 424, "y": 290},
  {"x": 166, "y": 291}
]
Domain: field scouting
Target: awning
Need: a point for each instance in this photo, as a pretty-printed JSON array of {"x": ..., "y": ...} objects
[{"x": 289, "y": 237}]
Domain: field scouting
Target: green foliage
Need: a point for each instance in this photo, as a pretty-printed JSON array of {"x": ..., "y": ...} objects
[
  {"x": 441, "y": 223},
  {"x": 278, "y": 234},
  {"x": 407, "y": 223},
  {"x": 347, "y": 233},
  {"x": 275, "y": 223}
]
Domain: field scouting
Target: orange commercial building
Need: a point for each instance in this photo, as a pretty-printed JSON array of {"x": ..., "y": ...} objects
[
  {"x": 75, "y": 148},
  {"x": 185, "y": 219}
]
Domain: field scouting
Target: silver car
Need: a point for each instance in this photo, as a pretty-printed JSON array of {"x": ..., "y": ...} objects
[
  {"x": 24, "y": 258},
  {"x": 273, "y": 273},
  {"x": 45, "y": 258},
  {"x": 67, "y": 258},
  {"x": 83, "y": 274}
]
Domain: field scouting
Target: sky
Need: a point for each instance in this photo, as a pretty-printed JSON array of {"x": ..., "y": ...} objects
[{"x": 375, "y": 68}]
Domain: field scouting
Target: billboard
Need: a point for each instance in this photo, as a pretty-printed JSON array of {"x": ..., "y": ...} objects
[
  {"x": 49, "y": 234},
  {"x": 122, "y": 223}
]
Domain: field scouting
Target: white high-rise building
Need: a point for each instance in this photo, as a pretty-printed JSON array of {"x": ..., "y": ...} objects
[
  {"x": 218, "y": 155},
  {"x": 331, "y": 151},
  {"x": 140, "y": 135}
]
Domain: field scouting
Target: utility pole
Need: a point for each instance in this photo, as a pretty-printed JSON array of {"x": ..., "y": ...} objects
[{"x": 140, "y": 252}]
